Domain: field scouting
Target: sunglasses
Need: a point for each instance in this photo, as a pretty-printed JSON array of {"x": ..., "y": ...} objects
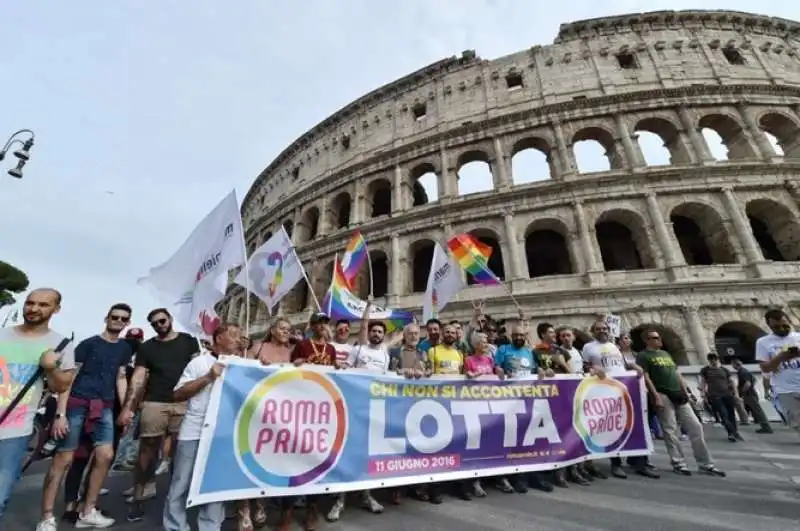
[
  {"x": 159, "y": 322},
  {"x": 119, "y": 318}
]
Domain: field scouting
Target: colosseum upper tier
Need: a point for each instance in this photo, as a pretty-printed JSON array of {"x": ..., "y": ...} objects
[{"x": 698, "y": 246}]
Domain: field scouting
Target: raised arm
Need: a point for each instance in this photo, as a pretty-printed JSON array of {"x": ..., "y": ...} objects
[{"x": 188, "y": 385}]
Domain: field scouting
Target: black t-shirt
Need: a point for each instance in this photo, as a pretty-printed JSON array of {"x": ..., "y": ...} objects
[{"x": 165, "y": 361}]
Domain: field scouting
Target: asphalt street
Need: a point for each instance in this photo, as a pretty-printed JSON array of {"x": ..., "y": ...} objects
[{"x": 762, "y": 491}]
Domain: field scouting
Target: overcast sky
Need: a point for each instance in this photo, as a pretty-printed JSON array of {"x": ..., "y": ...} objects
[{"x": 147, "y": 113}]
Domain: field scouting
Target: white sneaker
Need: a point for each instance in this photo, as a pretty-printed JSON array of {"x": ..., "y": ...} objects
[
  {"x": 371, "y": 504},
  {"x": 336, "y": 511},
  {"x": 477, "y": 489},
  {"x": 148, "y": 493},
  {"x": 104, "y": 491},
  {"x": 163, "y": 467},
  {"x": 93, "y": 519},
  {"x": 47, "y": 525}
]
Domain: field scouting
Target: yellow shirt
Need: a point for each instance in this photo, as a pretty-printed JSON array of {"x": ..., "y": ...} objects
[{"x": 445, "y": 360}]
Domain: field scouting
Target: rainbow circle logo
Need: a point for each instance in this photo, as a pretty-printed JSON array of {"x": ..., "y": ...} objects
[
  {"x": 291, "y": 429},
  {"x": 603, "y": 414}
]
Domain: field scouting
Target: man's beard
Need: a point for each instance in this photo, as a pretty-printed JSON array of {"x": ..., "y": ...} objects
[
  {"x": 374, "y": 341},
  {"x": 518, "y": 343},
  {"x": 448, "y": 342},
  {"x": 782, "y": 332}
]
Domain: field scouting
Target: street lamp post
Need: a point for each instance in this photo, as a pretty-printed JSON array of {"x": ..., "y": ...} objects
[{"x": 23, "y": 155}]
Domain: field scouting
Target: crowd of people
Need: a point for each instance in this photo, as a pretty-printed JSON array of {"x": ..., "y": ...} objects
[{"x": 112, "y": 389}]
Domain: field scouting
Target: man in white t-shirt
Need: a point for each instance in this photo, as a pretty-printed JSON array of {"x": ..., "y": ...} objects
[
  {"x": 194, "y": 386},
  {"x": 779, "y": 354},
  {"x": 605, "y": 358},
  {"x": 341, "y": 334},
  {"x": 372, "y": 354}
]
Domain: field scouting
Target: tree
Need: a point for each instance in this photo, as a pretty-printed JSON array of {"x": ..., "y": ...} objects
[{"x": 12, "y": 280}]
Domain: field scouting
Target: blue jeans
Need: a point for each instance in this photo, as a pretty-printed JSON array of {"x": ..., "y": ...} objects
[
  {"x": 210, "y": 517},
  {"x": 103, "y": 433},
  {"x": 12, "y": 453}
]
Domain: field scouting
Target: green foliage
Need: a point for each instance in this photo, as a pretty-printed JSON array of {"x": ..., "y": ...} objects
[{"x": 12, "y": 280}]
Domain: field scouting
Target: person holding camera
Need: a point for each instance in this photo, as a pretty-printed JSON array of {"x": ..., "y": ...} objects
[{"x": 779, "y": 354}]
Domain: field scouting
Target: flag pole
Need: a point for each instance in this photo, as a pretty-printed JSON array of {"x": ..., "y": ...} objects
[
  {"x": 305, "y": 277},
  {"x": 246, "y": 280},
  {"x": 369, "y": 265}
]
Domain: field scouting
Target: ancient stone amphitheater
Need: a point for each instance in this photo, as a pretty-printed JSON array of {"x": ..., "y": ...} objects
[{"x": 700, "y": 245}]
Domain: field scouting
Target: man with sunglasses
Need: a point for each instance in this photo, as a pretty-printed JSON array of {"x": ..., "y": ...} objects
[
  {"x": 87, "y": 409},
  {"x": 160, "y": 362}
]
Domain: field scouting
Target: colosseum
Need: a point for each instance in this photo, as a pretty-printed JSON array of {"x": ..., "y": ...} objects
[{"x": 699, "y": 243}]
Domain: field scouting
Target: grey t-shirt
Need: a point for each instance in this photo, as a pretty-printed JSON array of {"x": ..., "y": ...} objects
[
  {"x": 19, "y": 359},
  {"x": 717, "y": 381}
]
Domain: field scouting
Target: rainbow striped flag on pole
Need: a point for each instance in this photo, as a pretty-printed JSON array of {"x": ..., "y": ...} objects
[
  {"x": 341, "y": 303},
  {"x": 473, "y": 257},
  {"x": 355, "y": 254}
]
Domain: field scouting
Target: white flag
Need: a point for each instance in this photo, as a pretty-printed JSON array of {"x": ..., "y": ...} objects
[
  {"x": 195, "y": 278},
  {"x": 274, "y": 269},
  {"x": 444, "y": 282}
]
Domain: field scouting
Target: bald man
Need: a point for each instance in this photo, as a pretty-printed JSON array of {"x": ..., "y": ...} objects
[{"x": 24, "y": 349}]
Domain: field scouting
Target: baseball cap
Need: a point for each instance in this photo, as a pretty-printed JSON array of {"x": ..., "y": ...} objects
[
  {"x": 319, "y": 317},
  {"x": 134, "y": 333}
]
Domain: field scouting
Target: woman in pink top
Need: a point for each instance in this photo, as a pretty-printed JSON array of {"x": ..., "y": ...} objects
[
  {"x": 276, "y": 347},
  {"x": 480, "y": 362}
]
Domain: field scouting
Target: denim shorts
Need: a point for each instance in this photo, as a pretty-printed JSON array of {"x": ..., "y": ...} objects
[
  {"x": 103, "y": 429},
  {"x": 12, "y": 453}
]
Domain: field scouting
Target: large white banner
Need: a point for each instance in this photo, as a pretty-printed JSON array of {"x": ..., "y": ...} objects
[
  {"x": 445, "y": 280},
  {"x": 273, "y": 270},
  {"x": 195, "y": 278}
]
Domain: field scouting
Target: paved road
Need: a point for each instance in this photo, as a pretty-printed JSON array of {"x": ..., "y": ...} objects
[{"x": 762, "y": 491}]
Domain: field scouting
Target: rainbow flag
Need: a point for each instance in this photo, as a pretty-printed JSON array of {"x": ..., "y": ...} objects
[
  {"x": 473, "y": 257},
  {"x": 340, "y": 303},
  {"x": 355, "y": 254}
]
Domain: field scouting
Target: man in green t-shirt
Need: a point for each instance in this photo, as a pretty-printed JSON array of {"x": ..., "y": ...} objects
[{"x": 672, "y": 406}]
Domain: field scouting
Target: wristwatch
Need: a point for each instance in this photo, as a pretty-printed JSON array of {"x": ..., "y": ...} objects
[{"x": 58, "y": 416}]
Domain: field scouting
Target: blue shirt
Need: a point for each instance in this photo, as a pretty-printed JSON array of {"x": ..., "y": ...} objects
[
  {"x": 516, "y": 362},
  {"x": 99, "y": 361}
]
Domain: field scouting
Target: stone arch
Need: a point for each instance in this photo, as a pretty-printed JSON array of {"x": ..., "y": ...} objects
[
  {"x": 496, "y": 264},
  {"x": 379, "y": 265},
  {"x": 308, "y": 226},
  {"x": 296, "y": 300},
  {"x": 339, "y": 211},
  {"x": 531, "y": 161},
  {"x": 737, "y": 339},
  {"x": 671, "y": 340},
  {"x": 379, "y": 198},
  {"x": 421, "y": 258},
  {"x": 775, "y": 228},
  {"x": 605, "y": 139},
  {"x": 668, "y": 133},
  {"x": 623, "y": 241},
  {"x": 267, "y": 236},
  {"x": 424, "y": 182},
  {"x": 784, "y": 130},
  {"x": 322, "y": 281},
  {"x": 546, "y": 248},
  {"x": 732, "y": 134},
  {"x": 474, "y": 172},
  {"x": 289, "y": 226},
  {"x": 701, "y": 234}
]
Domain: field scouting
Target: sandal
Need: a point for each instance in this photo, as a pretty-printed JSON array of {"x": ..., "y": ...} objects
[
  {"x": 244, "y": 522},
  {"x": 260, "y": 516}
]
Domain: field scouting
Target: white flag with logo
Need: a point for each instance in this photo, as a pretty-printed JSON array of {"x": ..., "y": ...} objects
[
  {"x": 274, "y": 269},
  {"x": 195, "y": 278},
  {"x": 444, "y": 282}
]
